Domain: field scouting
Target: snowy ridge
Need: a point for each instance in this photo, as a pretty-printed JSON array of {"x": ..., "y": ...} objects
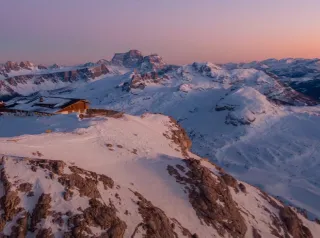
[
  {"x": 246, "y": 105},
  {"x": 301, "y": 74},
  {"x": 128, "y": 177},
  {"x": 26, "y": 78},
  {"x": 26, "y": 83}
]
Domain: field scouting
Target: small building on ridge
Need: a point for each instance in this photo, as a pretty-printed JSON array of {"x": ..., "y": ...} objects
[{"x": 46, "y": 105}]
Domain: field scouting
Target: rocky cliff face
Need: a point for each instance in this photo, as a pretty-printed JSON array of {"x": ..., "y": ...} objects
[
  {"x": 131, "y": 59},
  {"x": 152, "y": 63}
]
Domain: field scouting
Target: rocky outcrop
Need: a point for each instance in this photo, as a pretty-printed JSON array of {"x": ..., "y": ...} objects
[
  {"x": 97, "y": 215},
  {"x": 79, "y": 222},
  {"x": 10, "y": 200},
  {"x": 211, "y": 199},
  {"x": 41, "y": 211},
  {"x": 155, "y": 221},
  {"x": 142, "y": 80},
  {"x": 152, "y": 63},
  {"x": 45, "y": 233},
  {"x": 206, "y": 69},
  {"x": 131, "y": 59},
  {"x": 21, "y": 228},
  {"x": 10, "y": 66},
  {"x": 179, "y": 136},
  {"x": 26, "y": 65},
  {"x": 293, "y": 224}
]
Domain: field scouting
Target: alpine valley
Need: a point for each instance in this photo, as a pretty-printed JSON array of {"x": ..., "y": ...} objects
[{"x": 199, "y": 150}]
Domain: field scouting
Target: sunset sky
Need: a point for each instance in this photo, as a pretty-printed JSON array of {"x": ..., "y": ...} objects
[{"x": 181, "y": 31}]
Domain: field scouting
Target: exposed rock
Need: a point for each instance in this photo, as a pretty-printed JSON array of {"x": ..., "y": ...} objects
[
  {"x": 180, "y": 137},
  {"x": 205, "y": 195},
  {"x": 9, "y": 66},
  {"x": 242, "y": 188},
  {"x": 180, "y": 167},
  {"x": 107, "y": 182},
  {"x": 67, "y": 195},
  {"x": 230, "y": 181},
  {"x": 131, "y": 59},
  {"x": 99, "y": 70},
  {"x": 270, "y": 200},
  {"x": 9, "y": 203},
  {"x": 152, "y": 63},
  {"x": 45, "y": 233},
  {"x": 97, "y": 215},
  {"x": 156, "y": 223},
  {"x": 55, "y": 166},
  {"x": 141, "y": 80},
  {"x": 255, "y": 233},
  {"x": 20, "y": 230},
  {"x": 10, "y": 200},
  {"x": 40, "y": 211},
  {"x": 293, "y": 224},
  {"x": 25, "y": 187},
  {"x": 9, "y": 84},
  {"x": 87, "y": 187},
  {"x": 40, "y": 66},
  {"x": 57, "y": 218},
  {"x": 26, "y": 65}
]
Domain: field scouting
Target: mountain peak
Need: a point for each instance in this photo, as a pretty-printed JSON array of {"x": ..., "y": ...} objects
[{"x": 130, "y": 59}]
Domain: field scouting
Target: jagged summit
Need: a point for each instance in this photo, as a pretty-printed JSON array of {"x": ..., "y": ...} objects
[
  {"x": 130, "y": 59},
  {"x": 135, "y": 59},
  {"x": 15, "y": 66}
]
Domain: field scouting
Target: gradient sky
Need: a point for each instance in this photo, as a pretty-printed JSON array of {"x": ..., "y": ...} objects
[{"x": 181, "y": 31}]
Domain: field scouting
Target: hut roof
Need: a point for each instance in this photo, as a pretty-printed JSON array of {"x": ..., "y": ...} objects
[{"x": 42, "y": 104}]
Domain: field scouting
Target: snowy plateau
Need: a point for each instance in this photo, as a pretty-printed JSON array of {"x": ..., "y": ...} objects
[{"x": 202, "y": 150}]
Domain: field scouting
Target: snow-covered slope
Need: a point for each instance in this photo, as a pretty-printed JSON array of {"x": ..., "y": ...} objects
[
  {"x": 127, "y": 177},
  {"x": 247, "y": 120},
  {"x": 301, "y": 74},
  {"x": 258, "y": 140},
  {"x": 25, "y": 81},
  {"x": 246, "y": 105}
]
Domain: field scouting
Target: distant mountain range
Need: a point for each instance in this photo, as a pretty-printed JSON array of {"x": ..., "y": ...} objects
[{"x": 300, "y": 75}]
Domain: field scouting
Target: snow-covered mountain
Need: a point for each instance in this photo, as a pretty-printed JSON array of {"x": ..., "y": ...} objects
[
  {"x": 25, "y": 78},
  {"x": 25, "y": 81},
  {"x": 301, "y": 74},
  {"x": 247, "y": 120},
  {"x": 126, "y": 177}
]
